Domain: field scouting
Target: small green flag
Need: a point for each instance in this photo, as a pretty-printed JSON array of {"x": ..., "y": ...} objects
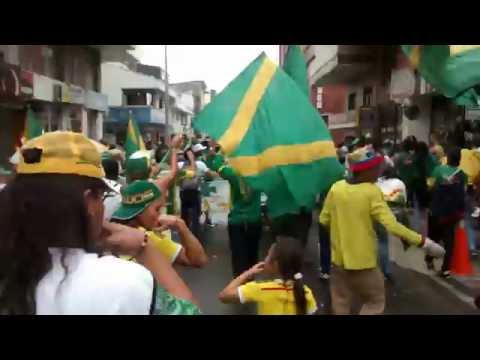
[
  {"x": 134, "y": 140},
  {"x": 33, "y": 127},
  {"x": 453, "y": 70},
  {"x": 273, "y": 137},
  {"x": 296, "y": 67}
]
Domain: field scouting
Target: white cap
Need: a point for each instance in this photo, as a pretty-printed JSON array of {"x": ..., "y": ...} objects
[{"x": 198, "y": 148}]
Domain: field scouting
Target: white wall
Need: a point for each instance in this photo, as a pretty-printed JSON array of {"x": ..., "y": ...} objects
[
  {"x": 186, "y": 101},
  {"x": 117, "y": 76},
  {"x": 324, "y": 62},
  {"x": 420, "y": 127}
]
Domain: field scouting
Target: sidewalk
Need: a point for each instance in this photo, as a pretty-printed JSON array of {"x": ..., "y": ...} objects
[{"x": 465, "y": 287}]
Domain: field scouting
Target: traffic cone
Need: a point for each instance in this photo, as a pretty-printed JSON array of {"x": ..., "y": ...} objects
[{"x": 460, "y": 263}]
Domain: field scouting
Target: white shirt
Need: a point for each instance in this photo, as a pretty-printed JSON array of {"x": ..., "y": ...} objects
[
  {"x": 201, "y": 167},
  {"x": 94, "y": 286},
  {"x": 392, "y": 189}
]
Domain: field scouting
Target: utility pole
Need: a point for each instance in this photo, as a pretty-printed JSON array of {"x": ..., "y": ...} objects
[{"x": 167, "y": 100}]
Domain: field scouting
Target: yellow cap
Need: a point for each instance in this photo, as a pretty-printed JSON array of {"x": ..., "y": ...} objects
[{"x": 62, "y": 152}]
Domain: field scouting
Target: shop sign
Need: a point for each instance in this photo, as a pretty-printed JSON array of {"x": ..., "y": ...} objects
[
  {"x": 96, "y": 101},
  {"x": 72, "y": 94}
]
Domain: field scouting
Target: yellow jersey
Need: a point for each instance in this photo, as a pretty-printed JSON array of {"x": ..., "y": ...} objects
[
  {"x": 274, "y": 297},
  {"x": 164, "y": 243},
  {"x": 350, "y": 211}
]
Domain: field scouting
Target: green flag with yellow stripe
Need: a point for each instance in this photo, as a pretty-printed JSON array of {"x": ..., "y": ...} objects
[
  {"x": 134, "y": 140},
  {"x": 272, "y": 136},
  {"x": 296, "y": 67},
  {"x": 453, "y": 70}
]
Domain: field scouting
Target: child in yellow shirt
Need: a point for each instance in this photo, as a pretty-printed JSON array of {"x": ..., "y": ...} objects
[
  {"x": 141, "y": 204},
  {"x": 287, "y": 295}
]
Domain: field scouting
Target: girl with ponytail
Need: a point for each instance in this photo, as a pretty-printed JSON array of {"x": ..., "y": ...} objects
[{"x": 286, "y": 295}]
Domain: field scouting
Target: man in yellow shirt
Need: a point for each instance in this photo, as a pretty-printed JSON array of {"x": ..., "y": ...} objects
[{"x": 350, "y": 209}]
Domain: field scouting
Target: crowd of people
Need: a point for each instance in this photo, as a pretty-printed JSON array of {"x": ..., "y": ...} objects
[{"x": 86, "y": 230}]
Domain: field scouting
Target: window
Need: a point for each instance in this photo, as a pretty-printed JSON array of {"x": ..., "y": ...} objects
[
  {"x": 319, "y": 98},
  {"x": 351, "y": 101},
  {"x": 367, "y": 96},
  {"x": 149, "y": 99}
]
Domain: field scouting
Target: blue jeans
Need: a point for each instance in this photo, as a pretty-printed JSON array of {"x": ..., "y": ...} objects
[
  {"x": 191, "y": 210},
  {"x": 382, "y": 236},
  {"x": 244, "y": 245},
  {"x": 472, "y": 239},
  {"x": 325, "y": 251}
]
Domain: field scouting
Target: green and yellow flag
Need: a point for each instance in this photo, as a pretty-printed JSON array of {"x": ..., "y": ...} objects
[
  {"x": 272, "y": 136},
  {"x": 453, "y": 70},
  {"x": 33, "y": 127},
  {"x": 134, "y": 140},
  {"x": 296, "y": 67}
]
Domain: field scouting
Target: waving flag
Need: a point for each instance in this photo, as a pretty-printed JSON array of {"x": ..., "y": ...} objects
[
  {"x": 296, "y": 67},
  {"x": 134, "y": 141},
  {"x": 453, "y": 70},
  {"x": 272, "y": 136}
]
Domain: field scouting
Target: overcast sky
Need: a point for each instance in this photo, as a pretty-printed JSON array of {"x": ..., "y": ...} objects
[{"x": 217, "y": 65}]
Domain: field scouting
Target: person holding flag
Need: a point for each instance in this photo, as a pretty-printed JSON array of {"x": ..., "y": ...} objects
[
  {"x": 273, "y": 138},
  {"x": 244, "y": 218}
]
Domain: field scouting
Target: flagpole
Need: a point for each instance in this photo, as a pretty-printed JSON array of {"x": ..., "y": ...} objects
[{"x": 167, "y": 130}]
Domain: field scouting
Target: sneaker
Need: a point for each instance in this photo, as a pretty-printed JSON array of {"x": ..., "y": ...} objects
[
  {"x": 323, "y": 276},
  {"x": 476, "y": 212},
  {"x": 444, "y": 274}
]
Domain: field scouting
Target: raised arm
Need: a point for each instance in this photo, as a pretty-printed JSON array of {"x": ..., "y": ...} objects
[
  {"x": 165, "y": 181},
  {"x": 192, "y": 253},
  {"x": 130, "y": 241}
]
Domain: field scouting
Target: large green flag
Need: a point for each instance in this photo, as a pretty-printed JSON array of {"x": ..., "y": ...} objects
[
  {"x": 33, "y": 127},
  {"x": 272, "y": 136},
  {"x": 134, "y": 140},
  {"x": 296, "y": 67},
  {"x": 453, "y": 70}
]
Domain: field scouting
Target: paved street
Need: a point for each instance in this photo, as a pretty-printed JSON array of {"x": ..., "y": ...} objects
[{"x": 414, "y": 292}]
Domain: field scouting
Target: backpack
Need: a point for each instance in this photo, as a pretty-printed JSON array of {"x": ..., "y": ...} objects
[{"x": 190, "y": 183}]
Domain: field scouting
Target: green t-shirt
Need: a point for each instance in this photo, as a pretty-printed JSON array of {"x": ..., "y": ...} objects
[
  {"x": 432, "y": 163},
  {"x": 441, "y": 174},
  {"x": 167, "y": 304},
  {"x": 407, "y": 168},
  {"x": 246, "y": 204}
]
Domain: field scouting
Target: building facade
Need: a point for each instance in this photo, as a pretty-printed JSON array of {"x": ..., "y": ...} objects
[
  {"x": 60, "y": 83},
  {"x": 198, "y": 89},
  {"x": 373, "y": 90},
  {"x": 142, "y": 95}
]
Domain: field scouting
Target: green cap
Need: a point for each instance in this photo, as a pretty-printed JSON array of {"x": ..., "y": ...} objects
[
  {"x": 138, "y": 165},
  {"x": 136, "y": 197}
]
